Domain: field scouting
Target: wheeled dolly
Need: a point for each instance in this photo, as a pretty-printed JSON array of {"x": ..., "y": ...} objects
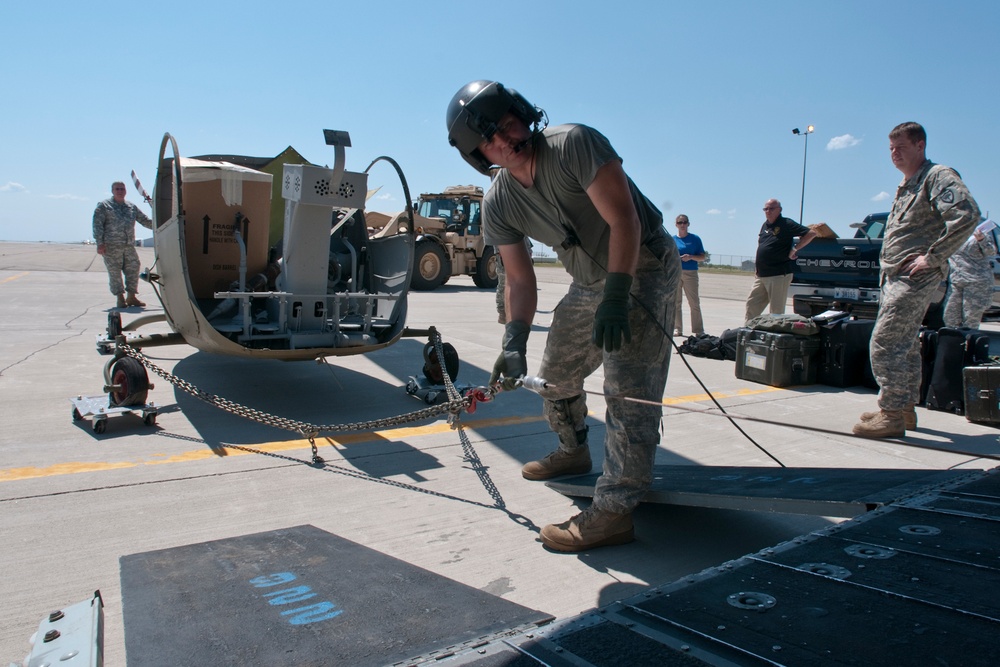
[
  {"x": 431, "y": 385},
  {"x": 99, "y": 408},
  {"x": 431, "y": 392}
]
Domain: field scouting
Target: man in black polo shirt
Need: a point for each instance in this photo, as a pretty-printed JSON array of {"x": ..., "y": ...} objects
[{"x": 776, "y": 253}]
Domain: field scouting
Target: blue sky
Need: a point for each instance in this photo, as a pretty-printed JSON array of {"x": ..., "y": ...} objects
[{"x": 699, "y": 98}]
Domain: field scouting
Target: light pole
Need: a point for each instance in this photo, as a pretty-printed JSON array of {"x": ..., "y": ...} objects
[{"x": 805, "y": 152}]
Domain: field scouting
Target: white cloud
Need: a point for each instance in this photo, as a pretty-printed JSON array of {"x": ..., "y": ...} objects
[
  {"x": 841, "y": 142},
  {"x": 70, "y": 197},
  {"x": 713, "y": 211},
  {"x": 11, "y": 186},
  {"x": 882, "y": 196},
  {"x": 731, "y": 213}
]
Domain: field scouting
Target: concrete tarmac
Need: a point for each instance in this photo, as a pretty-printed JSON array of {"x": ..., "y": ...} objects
[{"x": 73, "y": 502}]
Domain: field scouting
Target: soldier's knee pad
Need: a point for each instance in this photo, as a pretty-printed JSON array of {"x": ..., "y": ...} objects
[{"x": 567, "y": 417}]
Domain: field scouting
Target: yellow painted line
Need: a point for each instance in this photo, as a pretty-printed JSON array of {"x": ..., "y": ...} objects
[
  {"x": 699, "y": 398},
  {"x": 75, "y": 467},
  {"x": 10, "y": 278}
]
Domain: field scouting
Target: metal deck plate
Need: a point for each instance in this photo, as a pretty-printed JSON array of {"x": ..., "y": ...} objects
[
  {"x": 793, "y": 617},
  {"x": 927, "y": 556},
  {"x": 841, "y": 492},
  {"x": 298, "y": 596},
  {"x": 907, "y": 584}
]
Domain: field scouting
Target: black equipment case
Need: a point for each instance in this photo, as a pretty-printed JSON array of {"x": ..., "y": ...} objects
[
  {"x": 776, "y": 359},
  {"x": 982, "y": 394},
  {"x": 955, "y": 350},
  {"x": 844, "y": 356}
]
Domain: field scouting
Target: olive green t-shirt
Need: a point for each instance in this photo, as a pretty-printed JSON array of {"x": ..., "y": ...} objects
[{"x": 556, "y": 209}]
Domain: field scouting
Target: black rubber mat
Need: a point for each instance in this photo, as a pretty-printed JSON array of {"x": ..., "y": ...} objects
[{"x": 297, "y": 596}]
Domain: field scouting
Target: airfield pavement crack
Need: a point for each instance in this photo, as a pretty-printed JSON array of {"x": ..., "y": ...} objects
[{"x": 38, "y": 351}]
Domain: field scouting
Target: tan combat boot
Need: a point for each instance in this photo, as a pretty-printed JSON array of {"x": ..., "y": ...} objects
[
  {"x": 121, "y": 301},
  {"x": 589, "y": 529},
  {"x": 133, "y": 300},
  {"x": 559, "y": 462},
  {"x": 885, "y": 424},
  {"x": 909, "y": 417}
]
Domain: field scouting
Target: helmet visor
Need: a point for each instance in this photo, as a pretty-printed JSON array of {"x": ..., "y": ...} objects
[{"x": 478, "y": 118}]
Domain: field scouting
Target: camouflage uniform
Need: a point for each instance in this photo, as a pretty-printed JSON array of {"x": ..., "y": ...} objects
[
  {"x": 114, "y": 228},
  {"x": 970, "y": 283},
  {"x": 932, "y": 215},
  {"x": 501, "y": 292},
  {"x": 557, "y": 212},
  {"x": 637, "y": 370}
]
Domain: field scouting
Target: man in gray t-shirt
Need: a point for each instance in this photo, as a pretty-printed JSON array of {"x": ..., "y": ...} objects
[{"x": 565, "y": 187}]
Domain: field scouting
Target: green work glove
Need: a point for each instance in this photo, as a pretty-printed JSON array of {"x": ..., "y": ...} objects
[
  {"x": 611, "y": 320},
  {"x": 512, "y": 362}
]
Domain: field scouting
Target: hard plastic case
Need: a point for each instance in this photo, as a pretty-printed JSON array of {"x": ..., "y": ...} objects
[{"x": 776, "y": 359}]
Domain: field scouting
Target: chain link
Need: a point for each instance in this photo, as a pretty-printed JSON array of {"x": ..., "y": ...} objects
[{"x": 453, "y": 407}]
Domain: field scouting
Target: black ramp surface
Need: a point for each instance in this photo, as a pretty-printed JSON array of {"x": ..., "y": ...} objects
[
  {"x": 793, "y": 617},
  {"x": 297, "y": 596},
  {"x": 940, "y": 559},
  {"x": 844, "y": 492}
]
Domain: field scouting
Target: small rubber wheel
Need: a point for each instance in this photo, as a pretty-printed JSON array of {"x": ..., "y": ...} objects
[
  {"x": 114, "y": 324},
  {"x": 432, "y": 367},
  {"x": 150, "y": 419},
  {"x": 100, "y": 425},
  {"x": 76, "y": 415},
  {"x": 133, "y": 384}
]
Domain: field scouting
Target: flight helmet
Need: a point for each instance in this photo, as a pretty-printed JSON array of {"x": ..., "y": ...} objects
[{"x": 474, "y": 112}]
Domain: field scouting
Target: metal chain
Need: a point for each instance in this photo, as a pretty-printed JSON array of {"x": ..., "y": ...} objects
[{"x": 453, "y": 406}]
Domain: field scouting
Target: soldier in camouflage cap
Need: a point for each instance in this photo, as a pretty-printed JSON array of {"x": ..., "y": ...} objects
[
  {"x": 114, "y": 233},
  {"x": 932, "y": 216}
]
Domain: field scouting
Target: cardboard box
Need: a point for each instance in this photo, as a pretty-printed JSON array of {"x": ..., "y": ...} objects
[
  {"x": 214, "y": 195},
  {"x": 823, "y": 230}
]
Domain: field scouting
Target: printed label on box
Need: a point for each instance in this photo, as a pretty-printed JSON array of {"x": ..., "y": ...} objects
[{"x": 758, "y": 361}]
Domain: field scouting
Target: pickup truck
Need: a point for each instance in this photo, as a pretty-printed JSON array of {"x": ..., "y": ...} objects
[
  {"x": 840, "y": 274},
  {"x": 843, "y": 274}
]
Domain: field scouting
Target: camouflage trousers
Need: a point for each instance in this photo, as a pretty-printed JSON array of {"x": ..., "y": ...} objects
[
  {"x": 122, "y": 259},
  {"x": 895, "y": 348},
  {"x": 637, "y": 370},
  {"x": 965, "y": 303},
  {"x": 501, "y": 292}
]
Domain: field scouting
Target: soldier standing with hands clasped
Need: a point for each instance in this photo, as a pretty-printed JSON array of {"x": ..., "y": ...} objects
[{"x": 970, "y": 280}]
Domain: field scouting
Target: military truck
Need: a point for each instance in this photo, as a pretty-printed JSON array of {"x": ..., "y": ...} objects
[{"x": 448, "y": 238}]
